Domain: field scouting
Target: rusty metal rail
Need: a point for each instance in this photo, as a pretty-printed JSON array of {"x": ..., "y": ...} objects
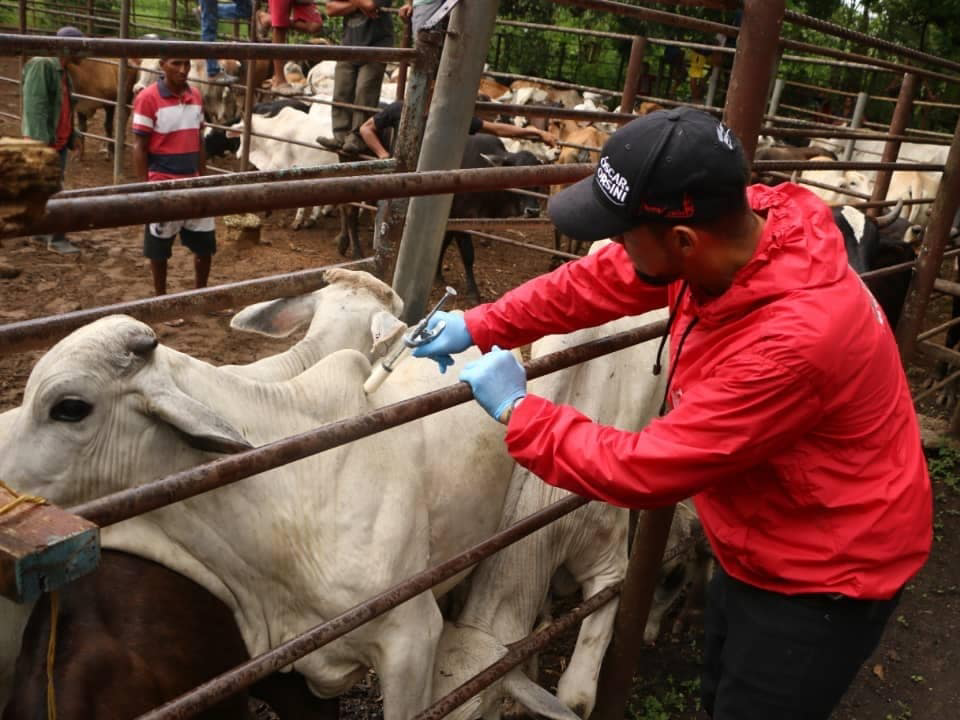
[
  {"x": 228, "y": 683},
  {"x": 125, "y": 504},
  {"x": 43, "y": 332},
  {"x": 14, "y": 44},
  {"x": 518, "y": 652},
  {"x": 526, "y": 246},
  {"x": 85, "y": 213},
  {"x": 237, "y": 178}
]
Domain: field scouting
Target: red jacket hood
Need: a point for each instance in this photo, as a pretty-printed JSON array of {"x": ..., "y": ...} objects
[{"x": 803, "y": 239}]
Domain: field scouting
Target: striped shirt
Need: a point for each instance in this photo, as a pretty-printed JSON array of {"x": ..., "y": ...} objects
[{"x": 173, "y": 124}]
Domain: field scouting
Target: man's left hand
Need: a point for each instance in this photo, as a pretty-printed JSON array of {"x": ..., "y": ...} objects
[{"x": 497, "y": 380}]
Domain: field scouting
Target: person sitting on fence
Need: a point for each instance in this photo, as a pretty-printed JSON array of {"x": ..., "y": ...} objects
[
  {"x": 168, "y": 144},
  {"x": 48, "y": 115},
  {"x": 788, "y": 415},
  {"x": 301, "y": 15},
  {"x": 211, "y": 12},
  {"x": 375, "y": 130}
]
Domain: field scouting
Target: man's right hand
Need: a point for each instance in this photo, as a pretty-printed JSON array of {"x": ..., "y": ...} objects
[{"x": 455, "y": 338}]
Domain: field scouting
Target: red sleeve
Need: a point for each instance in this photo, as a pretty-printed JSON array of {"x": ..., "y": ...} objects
[
  {"x": 584, "y": 293},
  {"x": 751, "y": 410},
  {"x": 144, "y": 113}
]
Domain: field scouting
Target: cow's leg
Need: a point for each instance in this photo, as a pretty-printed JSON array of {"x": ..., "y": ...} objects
[
  {"x": 313, "y": 217},
  {"x": 353, "y": 226},
  {"x": 343, "y": 239},
  {"x": 577, "y": 688},
  {"x": 405, "y": 655},
  {"x": 465, "y": 246},
  {"x": 298, "y": 219},
  {"x": 109, "y": 112},
  {"x": 82, "y": 127}
]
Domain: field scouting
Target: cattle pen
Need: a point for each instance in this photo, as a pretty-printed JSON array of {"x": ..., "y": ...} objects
[{"x": 407, "y": 241}]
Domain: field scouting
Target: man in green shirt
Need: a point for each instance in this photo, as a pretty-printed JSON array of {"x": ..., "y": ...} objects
[{"x": 48, "y": 114}]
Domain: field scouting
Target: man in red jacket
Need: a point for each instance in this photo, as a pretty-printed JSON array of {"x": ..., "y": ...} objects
[{"x": 790, "y": 420}]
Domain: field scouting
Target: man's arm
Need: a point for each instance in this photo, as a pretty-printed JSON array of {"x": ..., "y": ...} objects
[
  {"x": 368, "y": 131},
  {"x": 508, "y": 130},
  {"x": 750, "y": 411},
  {"x": 338, "y": 8},
  {"x": 140, "y": 144},
  {"x": 600, "y": 287}
]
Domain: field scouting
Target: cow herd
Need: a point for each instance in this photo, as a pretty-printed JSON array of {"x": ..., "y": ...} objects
[{"x": 269, "y": 557}]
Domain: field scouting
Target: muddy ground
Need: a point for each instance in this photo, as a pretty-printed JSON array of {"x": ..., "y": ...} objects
[{"x": 913, "y": 674}]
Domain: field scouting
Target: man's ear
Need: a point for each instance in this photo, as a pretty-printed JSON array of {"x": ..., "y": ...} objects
[{"x": 685, "y": 238}]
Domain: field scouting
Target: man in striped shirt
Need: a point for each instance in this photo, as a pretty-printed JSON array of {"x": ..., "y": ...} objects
[{"x": 168, "y": 144}]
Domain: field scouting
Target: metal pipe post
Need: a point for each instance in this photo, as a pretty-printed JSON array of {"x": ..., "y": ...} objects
[
  {"x": 248, "y": 97},
  {"x": 405, "y": 42},
  {"x": 757, "y": 49},
  {"x": 931, "y": 253},
  {"x": 637, "y": 49},
  {"x": 120, "y": 112},
  {"x": 620, "y": 662},
  {"x": 775, "y": 99},
  {"x": 22, "y": 21},
  {"x": 461, "y": 64},
  {"x": 173, "y": 14},
  {"x": 712, "y": 86},
  {"x": 90, "y": 9},
  {"x": 388, "y": 225},
  {"x": 855, "y": 123},
  {"x": 899, "y": 122}
]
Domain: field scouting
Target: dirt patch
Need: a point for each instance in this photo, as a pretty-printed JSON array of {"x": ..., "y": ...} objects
[{"x": 914, "y": 673}]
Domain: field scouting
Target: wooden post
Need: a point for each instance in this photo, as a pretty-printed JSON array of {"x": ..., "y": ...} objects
[
  {"x": 31, "y": 174},
  {"x": 42, "y": 547},
  {"x": 120, "y": 114}
]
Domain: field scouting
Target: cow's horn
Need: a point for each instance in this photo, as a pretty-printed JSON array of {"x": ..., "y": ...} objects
[
  {"x": 885, "y": 220},
  {"x": 142, "y": 344}
]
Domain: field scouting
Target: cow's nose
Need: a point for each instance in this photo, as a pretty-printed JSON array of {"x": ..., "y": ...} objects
[{"x": 531, "y": 211}]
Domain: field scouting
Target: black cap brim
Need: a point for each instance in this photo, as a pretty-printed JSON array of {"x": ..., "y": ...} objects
[{"x": 578, "y": 213}]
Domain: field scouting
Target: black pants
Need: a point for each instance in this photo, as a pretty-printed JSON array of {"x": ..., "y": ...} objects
[{"x": 769, "y": 656}]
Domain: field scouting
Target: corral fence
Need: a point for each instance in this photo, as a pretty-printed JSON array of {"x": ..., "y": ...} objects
[{"x": 415, "y": 227}]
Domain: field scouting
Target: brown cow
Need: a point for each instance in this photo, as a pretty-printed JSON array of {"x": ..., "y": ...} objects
[
  {"x": 98, "y": 78},
  {"x": 133, "y": 635},
  {"x": 586, "y": 137},
  {"x": 491, "y": 88}
]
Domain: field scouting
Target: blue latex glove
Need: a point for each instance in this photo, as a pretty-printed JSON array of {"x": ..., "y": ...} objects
[
  {"x": 497, "y": 379},
  {"x": 455, "y": 338}
]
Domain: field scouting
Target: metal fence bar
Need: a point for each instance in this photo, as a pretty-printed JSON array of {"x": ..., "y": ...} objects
[
  {"x": 111, "y": 47},
  {"x": 42, "y": 332},
  {"x": 362, "y": 167},
  {"x": 829, "y": 28},
  {"x": 526, "y": 246},
  {"x": 259, "y": 667},
  {"x": 134, "y": 208},
  {"x": 518, "y": 653},
  {"x": 125, "y": 504}
]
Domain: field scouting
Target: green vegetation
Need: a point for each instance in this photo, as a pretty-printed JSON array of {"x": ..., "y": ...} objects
[
  {"x": 932, "y": 26},
  {"x": 673, "y": 698},
  {"x": 945, "y": 467}
]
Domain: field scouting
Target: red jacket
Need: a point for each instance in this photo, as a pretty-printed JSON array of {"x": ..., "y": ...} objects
[{"x": 791, "y": 422}]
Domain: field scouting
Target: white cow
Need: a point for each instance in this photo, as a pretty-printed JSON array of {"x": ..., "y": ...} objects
[
  {"x": 508, "y": 590},
  {"x": 841, "y": 179},
  {"x": 290, "y": 548},
  {"x": 339, "y": 315},
  {"x": 912, "y": 185},
  {"x": 290, "y": 124}
]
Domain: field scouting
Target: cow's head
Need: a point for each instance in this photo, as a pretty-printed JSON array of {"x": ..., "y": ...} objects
[
  {"x": 102, "y": 410},
  {"x": 521, "y": 205}
]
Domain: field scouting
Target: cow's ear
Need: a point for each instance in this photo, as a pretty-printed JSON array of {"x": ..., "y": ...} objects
[
  {"x": 534, "y": 698},
  {"x": 494, "y": 160},
  {"x": 276, "y": 318},
  {"x": 199, "y": 426}
]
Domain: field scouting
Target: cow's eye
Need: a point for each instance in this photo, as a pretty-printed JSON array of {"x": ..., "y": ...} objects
[
  {"x": 71, "y": 410},
  {"x": 674, "y": 578}
]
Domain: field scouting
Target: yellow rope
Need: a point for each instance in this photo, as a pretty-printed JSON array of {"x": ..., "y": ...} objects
[
  {"x": 19, "y": 499},
  {"x": 51, "y": 654}
]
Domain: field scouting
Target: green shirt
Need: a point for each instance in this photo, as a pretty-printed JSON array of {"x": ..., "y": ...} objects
[{"x": 42, "y": 97}]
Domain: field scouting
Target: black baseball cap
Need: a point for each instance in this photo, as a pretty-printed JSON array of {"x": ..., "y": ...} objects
[{"x": 681, "y": 164}]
